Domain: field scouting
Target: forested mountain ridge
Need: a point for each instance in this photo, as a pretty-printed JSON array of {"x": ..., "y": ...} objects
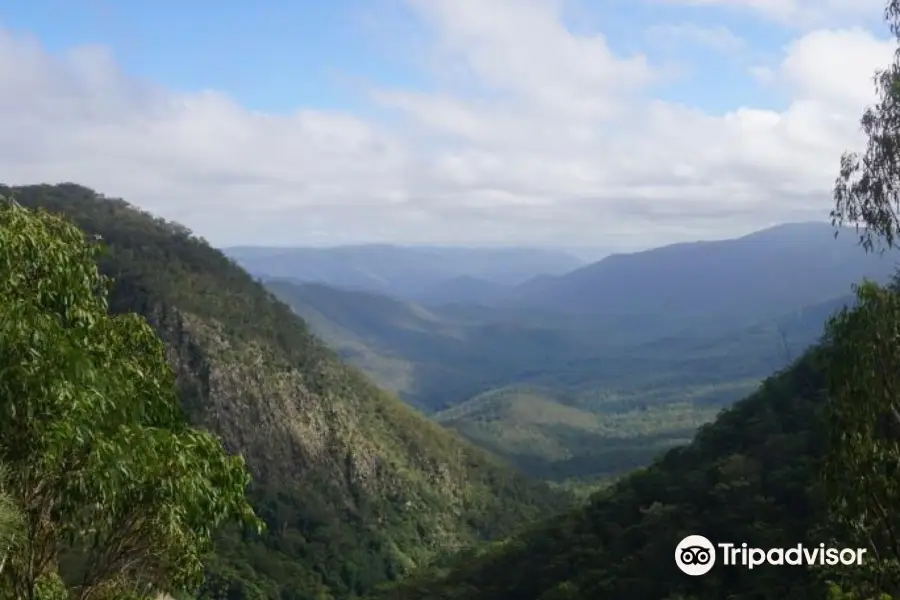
[{"x": 354, "y": 486}]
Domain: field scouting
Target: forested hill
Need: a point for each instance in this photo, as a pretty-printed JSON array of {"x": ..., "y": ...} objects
[
  {"x": 355, "y": 486},
  {"x": 751, "y": 476}
]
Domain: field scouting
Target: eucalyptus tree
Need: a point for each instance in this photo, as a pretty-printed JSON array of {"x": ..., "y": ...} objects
[
  {"x": 862, "y": 465},
  {"x": 102, "y": 465}
]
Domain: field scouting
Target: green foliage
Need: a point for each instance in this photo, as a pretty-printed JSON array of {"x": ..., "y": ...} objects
[
  {"x": 836, "y": 592},
  {"x": 550, "y": 435},
  {"x": 866, "y": 192},
  {"x": 353, "y": 485},
  {"x": 100, "y": 458},
  {"x": 865, "y": 389},
  {"x": 12, "y": 522},
  {"x": 864, "y": 442}
]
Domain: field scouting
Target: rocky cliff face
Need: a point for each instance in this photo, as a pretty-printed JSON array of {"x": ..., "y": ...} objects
[
  {"x": 265, "y": 409},
  {"x": 355, "y": 486}
]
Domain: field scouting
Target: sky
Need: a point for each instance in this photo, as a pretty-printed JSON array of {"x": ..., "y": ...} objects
[{"x": 621, "y": 124}]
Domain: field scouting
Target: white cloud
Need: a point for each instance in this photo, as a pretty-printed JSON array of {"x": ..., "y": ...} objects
[
  {"x": 800, "y": 13},
  {"x": 828, "y": 66},
  {"x": 521, "y": 47},
  {"x": 718, "y": 38},
  {"x": 556, "y": 140}
]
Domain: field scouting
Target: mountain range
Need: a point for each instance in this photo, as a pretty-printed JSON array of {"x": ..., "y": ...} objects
[
  {"x": 366, "y": 497},
  {"x": 750, "y": 278},
  {"x": 745, "y": 278},
  {"x": 594, "y": 372},
  {"x": 411, "y": 273}
]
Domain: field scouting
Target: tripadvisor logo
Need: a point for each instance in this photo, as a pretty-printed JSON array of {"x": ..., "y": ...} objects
[{"x": 696, "y": 555}]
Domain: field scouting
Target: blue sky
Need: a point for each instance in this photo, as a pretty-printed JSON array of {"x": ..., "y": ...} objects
[
  {"x": 278, "y": 55},
  {"x": 444, "y": 121},
  {"x": 271, "y": 55}
]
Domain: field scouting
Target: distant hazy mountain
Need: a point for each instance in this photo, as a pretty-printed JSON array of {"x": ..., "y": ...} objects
[
  {"x": 465, "y": 290},
  {"x": 406, "y": 272},
  {"x": 750, "y": 278},
  {"x": 431, "y": 357}
]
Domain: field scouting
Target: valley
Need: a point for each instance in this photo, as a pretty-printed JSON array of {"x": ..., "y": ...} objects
[
  {"x": 563, "y": 394},
  {"x": 753, "y": 475}
]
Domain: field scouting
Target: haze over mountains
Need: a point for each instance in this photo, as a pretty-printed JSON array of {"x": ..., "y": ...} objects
[
  {"x": 595, "y": 370},
  {"x": 755, "y": 276},
  {"x": 740, "y": 278},
  {"x": 406, "y": 272}
]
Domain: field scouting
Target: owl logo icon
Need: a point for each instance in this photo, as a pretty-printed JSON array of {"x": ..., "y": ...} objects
[{"x": 695, "y": 555}]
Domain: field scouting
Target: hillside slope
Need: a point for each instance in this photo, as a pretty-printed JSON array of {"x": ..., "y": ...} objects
[
  {"x": 430, "y": 357},
  {"x": 546, "y": 434},
  {"x": 355, "y": 486},
  {"x": 751, "y": 476}
]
